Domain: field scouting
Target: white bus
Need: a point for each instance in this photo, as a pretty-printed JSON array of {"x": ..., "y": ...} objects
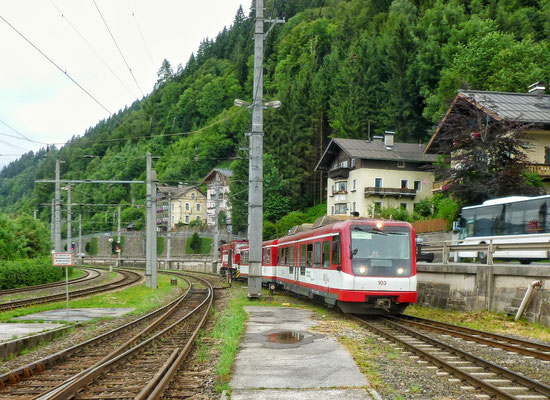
[{"x": 507, "y": 220}]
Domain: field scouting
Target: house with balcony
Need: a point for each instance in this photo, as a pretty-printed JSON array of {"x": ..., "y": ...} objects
[
  {"x": 366, "y": 175},
  {"x": 180, "y": 203},
  {"x": 532, "y": 108},
  {"x": 217, "y": 192}
]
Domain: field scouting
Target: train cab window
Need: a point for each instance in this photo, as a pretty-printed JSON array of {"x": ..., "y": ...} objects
[
  {"x": 336, "y": 250},
  {"x": 326, "y": 254},
  {"x": 303, "y": 260},
  {"x": 310, "y": 255},
  {"x": 291, "y": 259},
  {"x": 317, "y": 255}
]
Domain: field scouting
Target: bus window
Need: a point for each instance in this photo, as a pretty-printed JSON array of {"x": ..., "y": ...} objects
[
  {"x": 336, "y": 250},
  {"x": 310, "y": 255},
  {"x": 326, "y": 254},
  {"x": 303, "y": 260},
  {"x": 317, "y": 256}
]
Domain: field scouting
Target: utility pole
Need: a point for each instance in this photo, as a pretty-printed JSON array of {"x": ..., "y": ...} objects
[
  {"x": 80, "y": 238},
  {"x": 118, "y": 246},
  {"x": 52, "y": 225},
  {"x": 216, "y": 222},
  {"x": 169, "y": 233},
  {"x": 69, "y": 221},
  {"x": 255, "y": 169},
  {"x": 151, "y": 228},
  {"x": 57, "y": 221}
]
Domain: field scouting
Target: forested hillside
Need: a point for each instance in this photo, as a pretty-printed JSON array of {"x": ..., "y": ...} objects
[{"x": 339, "y": 67}]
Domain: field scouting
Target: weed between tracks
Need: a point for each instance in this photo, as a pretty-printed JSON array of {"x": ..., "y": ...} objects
[{"x": 485, "y": 321}]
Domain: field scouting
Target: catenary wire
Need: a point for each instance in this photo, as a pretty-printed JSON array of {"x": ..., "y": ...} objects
[
  {"x": 64, "y": 16},
  {"x": 57, "y": 66},
  {"x": 118, "y": 48},
  {"x": 140, "y": 32}
]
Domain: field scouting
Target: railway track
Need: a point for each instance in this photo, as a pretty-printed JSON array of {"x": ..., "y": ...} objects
[
  {"x": 129, "y": 278},
  {"x": 88, "y": 276},
  {"x": 140, "y": 349},
  {"x": 470, "y": 371},
  {"x": 525, "y": 347}
]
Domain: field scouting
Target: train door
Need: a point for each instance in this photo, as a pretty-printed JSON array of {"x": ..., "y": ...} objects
[{"x": 296, "y": 263}]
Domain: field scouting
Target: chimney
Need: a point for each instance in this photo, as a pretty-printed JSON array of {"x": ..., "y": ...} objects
[
  {"x": 388, "y": 139},
  {"x": 537, "y": 89}
]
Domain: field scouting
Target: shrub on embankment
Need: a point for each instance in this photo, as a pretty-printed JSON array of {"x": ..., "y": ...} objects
[{"x": 28, "y": 272}]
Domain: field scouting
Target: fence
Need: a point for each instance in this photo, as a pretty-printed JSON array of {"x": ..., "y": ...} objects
[{"x": 432, "y": 225}]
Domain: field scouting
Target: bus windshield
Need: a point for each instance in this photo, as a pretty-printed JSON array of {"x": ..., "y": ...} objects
[{"x": 512, "y": 218}]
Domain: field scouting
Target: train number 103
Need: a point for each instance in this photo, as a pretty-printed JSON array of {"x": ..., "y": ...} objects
[{"x": 382, "y": 283}]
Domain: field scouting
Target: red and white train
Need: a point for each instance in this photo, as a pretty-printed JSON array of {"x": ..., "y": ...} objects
[{"x": 363, "y": 266}]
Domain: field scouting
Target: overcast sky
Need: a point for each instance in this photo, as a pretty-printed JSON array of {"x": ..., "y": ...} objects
[{"x": 43, "y": 104}]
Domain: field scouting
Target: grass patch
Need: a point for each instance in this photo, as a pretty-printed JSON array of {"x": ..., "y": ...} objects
[
  {"x": 139, "y": 297},
  {"x": 206, "y": 246},
  {"x": 483, "y": 320}
]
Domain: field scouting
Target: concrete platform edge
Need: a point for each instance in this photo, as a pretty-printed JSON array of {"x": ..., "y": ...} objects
[{"x": 16, "y": 346}]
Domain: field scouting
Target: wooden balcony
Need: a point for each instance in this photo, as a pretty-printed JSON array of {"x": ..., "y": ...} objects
[
  {"x": 392, "y": 192},
  {"x": 439, "y": 185},
  {"x": 543, "y": 170},
  {"x": 339, "y": 173}
]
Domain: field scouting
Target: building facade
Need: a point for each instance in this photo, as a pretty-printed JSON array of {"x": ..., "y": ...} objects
[
  {"x": 182, "y": 204},
  {"x": 365, "y": 176},
  {"x": 218, "y": 181}
]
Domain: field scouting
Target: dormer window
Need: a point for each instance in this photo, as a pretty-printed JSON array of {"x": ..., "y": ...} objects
[
  {"x": 352, "y": 163},
  {"x": 400, "y": 164},
  {"x": 344, "y": 164}
]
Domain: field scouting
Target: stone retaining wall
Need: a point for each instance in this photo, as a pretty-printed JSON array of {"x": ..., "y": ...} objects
[{"x": 498, "y": 288}]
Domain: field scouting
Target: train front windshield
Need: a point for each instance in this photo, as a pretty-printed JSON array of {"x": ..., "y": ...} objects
[{"x": 382, "y": 251}]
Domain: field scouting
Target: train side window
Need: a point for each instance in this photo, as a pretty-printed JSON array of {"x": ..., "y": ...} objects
[
  {"x": 326, "y": 254},
  {"x": 268, "y": 256},
  {"x": 317, "y": 255},
  {"x": 303, "y": 260},
  {"x": 291, "y": 259},
  {"x": 336, "y": 250},
  {"x": 286, "y": 255},
  {"x": 310, "y": 255}
]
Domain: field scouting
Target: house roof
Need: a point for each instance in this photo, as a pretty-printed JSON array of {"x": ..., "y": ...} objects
[
  {"x": 374, "y": 150},
  {"x": 176, "y": 191},
  {"x": 517, "y": 107},
  {"x": 513, "y": 107},
  {"x": 212, "y": 174}
]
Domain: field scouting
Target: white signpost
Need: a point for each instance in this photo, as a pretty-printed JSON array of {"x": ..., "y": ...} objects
[{"x": 64, "y": 260}]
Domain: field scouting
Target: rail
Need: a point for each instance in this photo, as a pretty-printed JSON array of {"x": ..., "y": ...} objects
[{"x": 445, "y": 248}]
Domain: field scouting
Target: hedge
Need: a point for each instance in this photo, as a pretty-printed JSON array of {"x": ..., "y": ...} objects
[{"x": 28, "y": 272}]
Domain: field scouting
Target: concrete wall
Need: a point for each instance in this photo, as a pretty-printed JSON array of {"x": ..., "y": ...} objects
[{"x": 498, "y": 288}]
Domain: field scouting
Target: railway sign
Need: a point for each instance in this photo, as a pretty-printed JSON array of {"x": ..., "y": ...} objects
[{"x": 62, "y": 259}]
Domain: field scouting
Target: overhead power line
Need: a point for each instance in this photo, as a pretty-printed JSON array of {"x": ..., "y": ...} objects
[
  {"x": 141, "y": 33},
  {"x": 57, "y": 66},
  {"x": 64, "y": 16},
  {"x": 118, "y": 48},
  {"x": 14, "y": 146},
  {"x": 19, "y": 133},
  {"x": 24, "y": 138}
]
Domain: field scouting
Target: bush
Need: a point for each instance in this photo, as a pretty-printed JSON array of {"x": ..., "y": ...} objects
[
  {"x": 195, "y": 243},
  {"x": 160, "y": 245},
  {"x": 92, "y": 246},
  {"x": 270, "y": 230},
  {"x": 290, "y": 220},
  {"x": 28, "y": 272}
]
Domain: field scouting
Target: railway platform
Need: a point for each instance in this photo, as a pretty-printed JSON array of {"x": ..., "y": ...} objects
[{"x": 281, "y": 358}]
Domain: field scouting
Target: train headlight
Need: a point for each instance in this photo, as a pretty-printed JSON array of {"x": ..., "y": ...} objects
[
  {"x": 363, "y": 269},
  {"x": 400, "y": 271},
  {"x": 379, "y": 225}
]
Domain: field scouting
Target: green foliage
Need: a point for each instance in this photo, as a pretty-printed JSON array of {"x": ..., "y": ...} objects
[
  {"x": 446, "y": 208},
  {"x": 270, "y": 230},
  {"x": 533, "y": 179},
  {"x": 399, "y": 214},
  {"x": 28, "y": 272},
  {"x": 290, "y": 220},
  {"x": 195, "y": 243},
  {"x": 91, "y": 246},
  {"x": 116, "y": 243},
  {"x": 23, "y": 237},
  {"x": 160, "y": 245},
  {"x": 424, "y": 208},
  {"x": 198, "y": 245},
  {"x": 312, "y": 213}
]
